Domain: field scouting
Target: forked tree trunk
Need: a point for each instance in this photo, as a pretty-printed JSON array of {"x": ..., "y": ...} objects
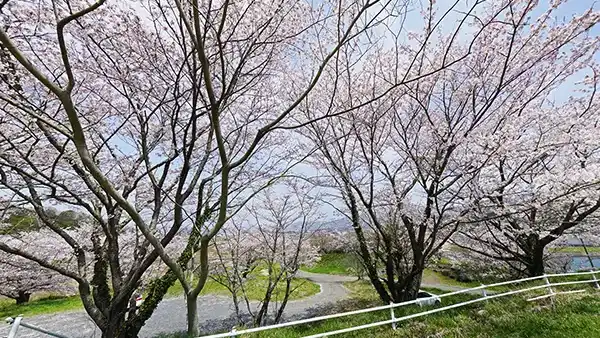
[
  {"x": 159, "y": 287},
  {"x": 263, "y": 312},
  {"x": 286, "y": 297}
]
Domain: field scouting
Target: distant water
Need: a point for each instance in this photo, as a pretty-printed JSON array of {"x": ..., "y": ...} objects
[{"x": 583, "y": 263}]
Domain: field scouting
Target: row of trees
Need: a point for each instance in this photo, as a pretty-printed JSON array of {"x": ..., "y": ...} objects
[
  {"x": 160, "y": 121},
  {"x": 486, "y": 148}
]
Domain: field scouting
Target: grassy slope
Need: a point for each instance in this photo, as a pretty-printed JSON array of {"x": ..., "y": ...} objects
[
  {"x": 334, "y": 264},
  {"x": 573, "y": 316},
  {"x": 344, "y": 264},
  {"x": 433, "y": 277}
]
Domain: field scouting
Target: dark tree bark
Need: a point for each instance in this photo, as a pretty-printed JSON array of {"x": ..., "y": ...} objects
[
  {"x": 533, "y": 254},
  {"x": 158, "y": 288},
  {"x": 363, "y": 252},
  {"x": 23, "y": 297}
]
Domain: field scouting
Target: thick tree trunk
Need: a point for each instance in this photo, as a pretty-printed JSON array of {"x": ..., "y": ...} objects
[
  {"x": 412, "y": 286},
  {"x": 114, "y": 327},
  {"x": 158, "y": 288},
  {"x": 408, "y": 286},
  {"x": 369, "y": 266},
  {"x": 535, "y": 264},
  {"x": 192, "y": 315},
  {"x": 363, "y": 249},
  {"x": 23, "y": 297},
  {"x": 533, "y": 258}
]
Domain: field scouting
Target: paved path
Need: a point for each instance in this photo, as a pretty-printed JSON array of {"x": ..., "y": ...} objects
[{"x": 215, "y": 312}]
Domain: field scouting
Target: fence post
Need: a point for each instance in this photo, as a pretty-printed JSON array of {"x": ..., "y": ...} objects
[
  {"x": 595, "y": 280},
  {"x": 15, "y": 326},
  {"x": 548, "y": 285},
  {"x": 549, "y": 289},
  {"x": 393, "y": 315},
  {"x": 483, "y": 291},
  {"x": 233, "y": 331}
]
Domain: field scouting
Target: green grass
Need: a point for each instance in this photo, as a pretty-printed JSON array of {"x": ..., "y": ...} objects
[
  {"x": 50, "y": 304},
  {"x": 576, "y": 249},
  {"x": 255, "y": 291},
  {"x": 255, "y": 288},
  {"x": 572, "y": 316},
  {"x": 345, "y": 264},
  {"x": 335, "y": 264},
  {"x": 361, "y": 290},
  {"x": 433, "y": 277}
]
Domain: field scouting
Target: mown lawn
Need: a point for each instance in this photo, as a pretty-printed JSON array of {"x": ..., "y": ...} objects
[
  {"x": 255, "y": 288},
  {"x": 346, "y": 263},
  {"x": 45, "y": 305},
  {"x": 434, "y": 277},
  {"x": 335, "y": 264}
]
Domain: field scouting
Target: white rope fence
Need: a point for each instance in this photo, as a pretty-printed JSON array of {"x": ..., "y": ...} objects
[{"x": 483, "y": 289}]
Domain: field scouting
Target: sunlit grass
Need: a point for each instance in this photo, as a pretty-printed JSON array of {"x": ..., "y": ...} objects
[
  {"x": 335, "y": 264},
  {"x": 45, "y": 305},
  {"x": 255, "y": 288}
]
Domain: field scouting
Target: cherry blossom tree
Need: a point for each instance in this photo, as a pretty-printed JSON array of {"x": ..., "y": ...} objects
[
  {"x": 20, "y": 278},
  {"x": 405, "y": 166},
  {"x": 276, "y": 239},
  {"x": 107, "y": 118},
  {"x": 558, "y": 195},
  {"x": 166, "y": 114},
  {"x": 333, "y": 241},
  {"x": 157, "y": 116}
]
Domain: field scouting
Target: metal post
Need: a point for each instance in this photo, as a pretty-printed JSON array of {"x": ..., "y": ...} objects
[
  {"x": 233, "y": 331},
  {"x": 393, "y": 315},
  {"x": 15, "y": 326},
  {"x": 483, "y": 291}
]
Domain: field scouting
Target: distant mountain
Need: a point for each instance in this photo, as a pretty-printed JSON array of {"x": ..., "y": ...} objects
[
  {"x": 336, "y": 225},
  {"x": 340, "y": 224}
]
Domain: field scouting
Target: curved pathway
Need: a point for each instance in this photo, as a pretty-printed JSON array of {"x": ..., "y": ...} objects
[{"x": 215, "y": 312}]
